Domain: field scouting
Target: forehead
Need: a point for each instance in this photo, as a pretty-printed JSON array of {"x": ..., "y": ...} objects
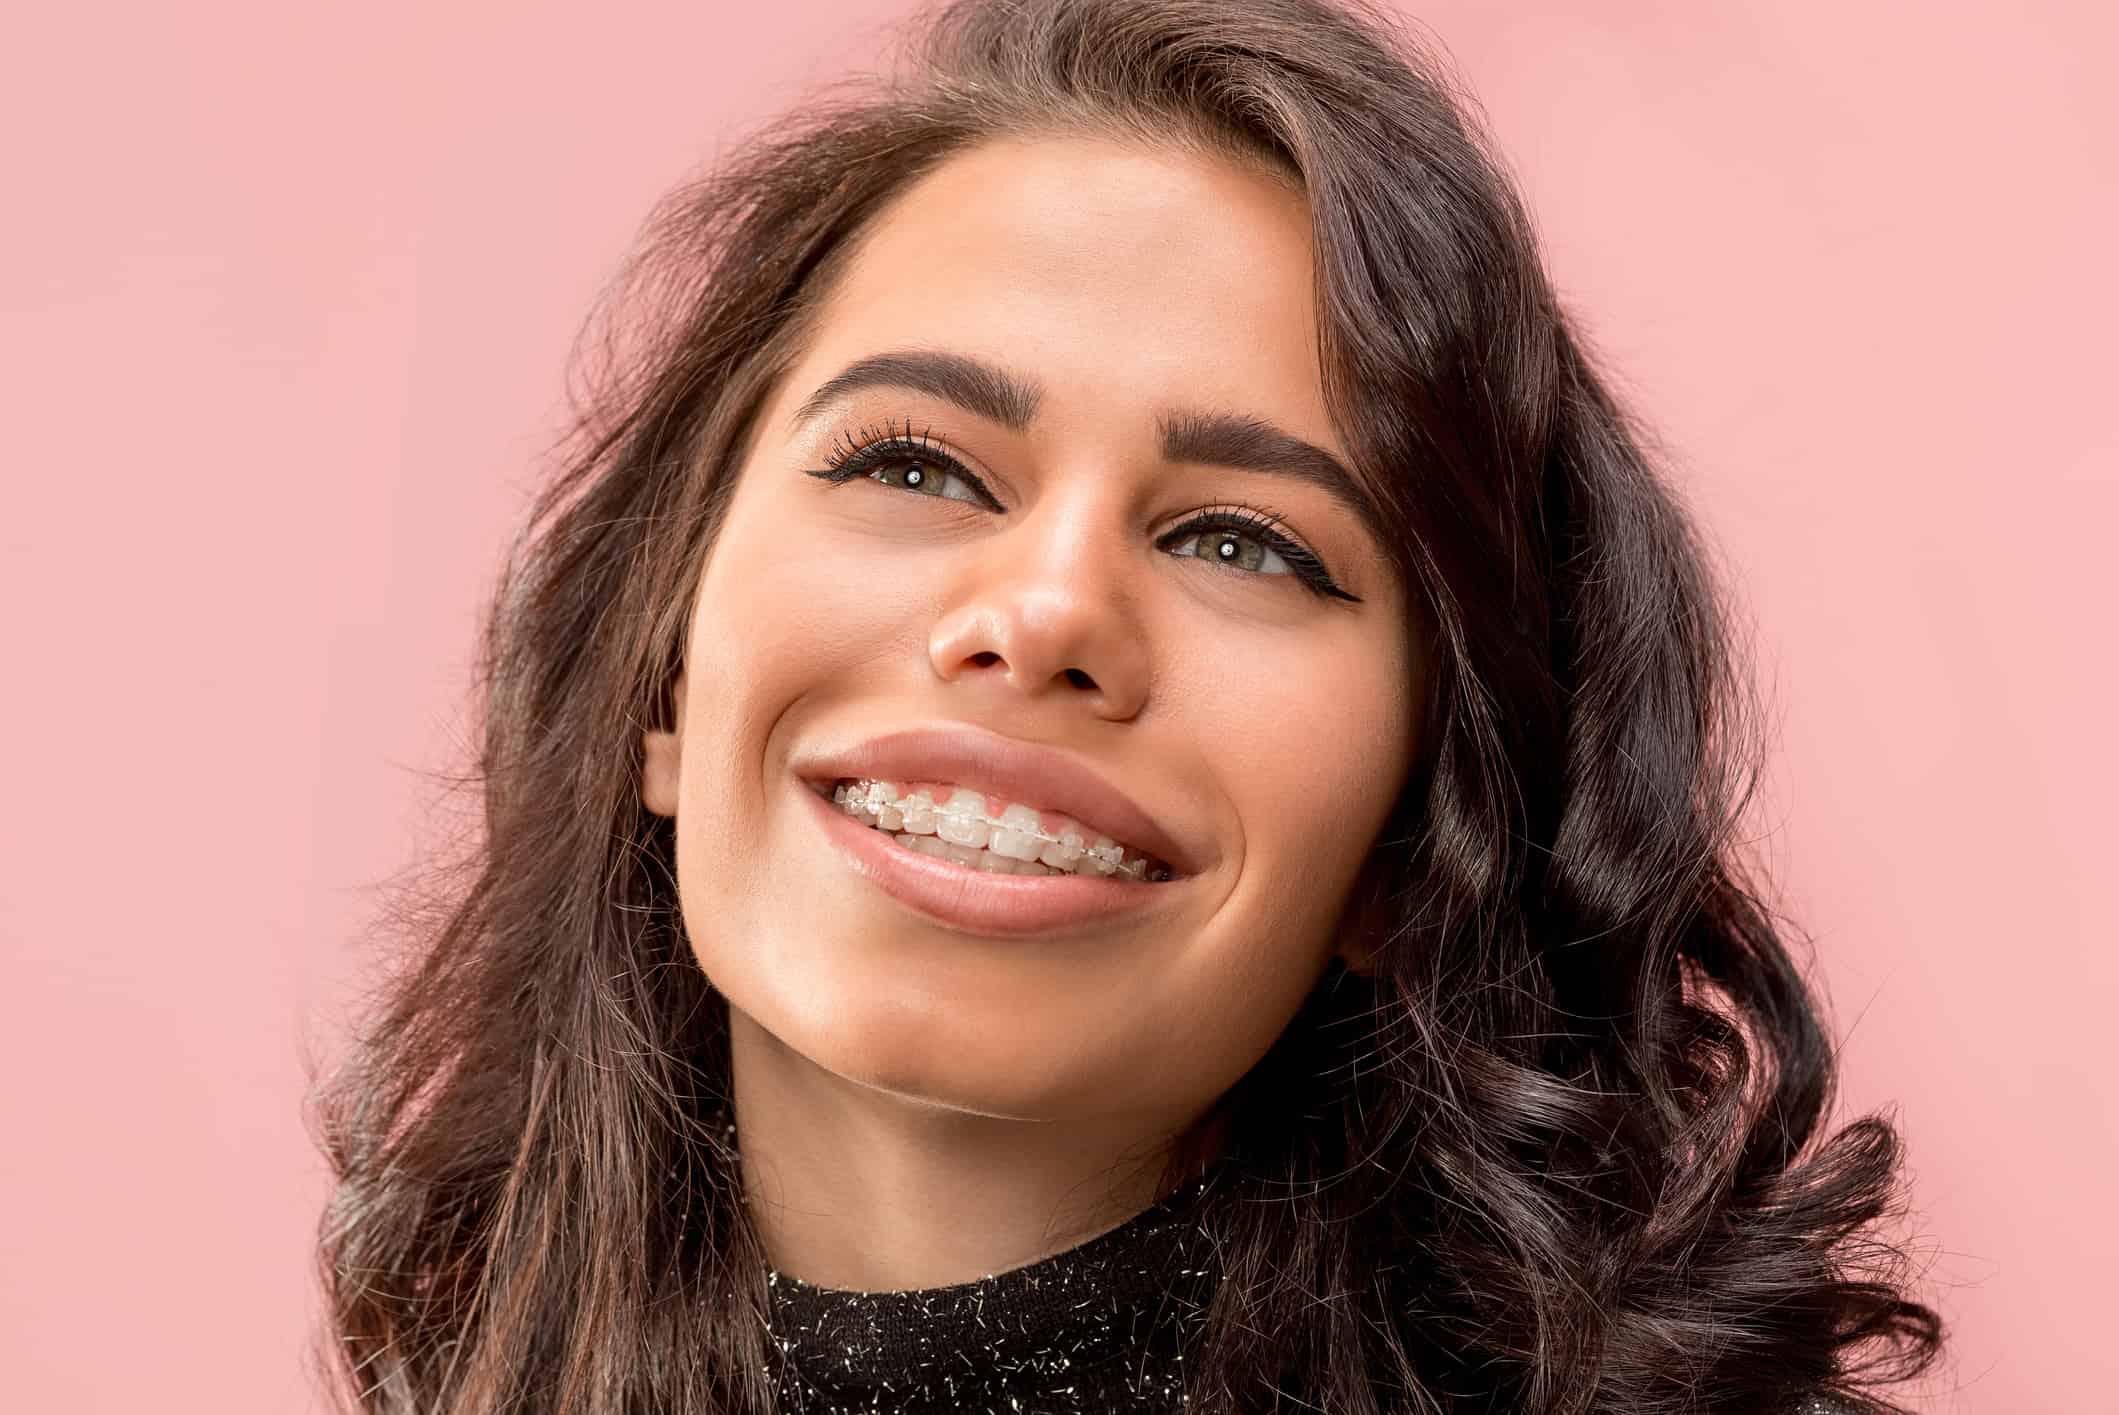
[{"x": 1145, "y": 275}]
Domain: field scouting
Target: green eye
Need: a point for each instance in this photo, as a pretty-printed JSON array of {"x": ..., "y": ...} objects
[
  {"x": 923, "y": 474},
  {"x": 905, "y": 462},
  {"x": 1223, "y": 546}
]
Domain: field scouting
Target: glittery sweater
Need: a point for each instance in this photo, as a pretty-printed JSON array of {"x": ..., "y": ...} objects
[{"x": 1104, "y": 1326}]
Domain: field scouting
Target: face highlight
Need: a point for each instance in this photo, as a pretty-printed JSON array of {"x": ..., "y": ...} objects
[{"x": 1004, "y": 540}]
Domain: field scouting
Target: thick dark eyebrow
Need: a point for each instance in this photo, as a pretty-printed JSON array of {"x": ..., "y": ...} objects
[
  {"x": 1254, "y": 445},
  {"x": 986, "y": 389},
  {"x": 1212, "y": 439}
]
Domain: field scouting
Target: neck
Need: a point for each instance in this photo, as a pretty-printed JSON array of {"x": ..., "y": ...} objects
[{"x": 865, "y": 1189}]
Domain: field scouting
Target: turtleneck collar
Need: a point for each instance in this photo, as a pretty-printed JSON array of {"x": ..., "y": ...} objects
[{"x": 1103, "y": 1326}]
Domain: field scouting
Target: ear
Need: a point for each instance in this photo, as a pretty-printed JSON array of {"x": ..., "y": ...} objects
[
  {"x": 662, "y": 759},
  {"x": 1362, "y": 925}
]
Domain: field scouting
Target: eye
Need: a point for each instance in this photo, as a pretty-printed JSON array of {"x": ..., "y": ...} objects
[
  {"x": 1251, "y": 540},
  {"x": 1225, "y": 546},
  {"x": 926, "y": 474},
  {"x": 907, "y": 463}
]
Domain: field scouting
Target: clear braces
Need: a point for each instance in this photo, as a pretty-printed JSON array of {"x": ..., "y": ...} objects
[{"x": 1110, "y": 860}]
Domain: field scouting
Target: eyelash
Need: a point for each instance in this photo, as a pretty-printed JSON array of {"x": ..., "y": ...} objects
[{"x": 875, "y": 450}]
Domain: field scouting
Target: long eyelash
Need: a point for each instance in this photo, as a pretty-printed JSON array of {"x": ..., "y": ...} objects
[
  {"x": 1267, "y": 528},
  {"x": 872, "y": 447},
  {"x": 889, "y": 438}
]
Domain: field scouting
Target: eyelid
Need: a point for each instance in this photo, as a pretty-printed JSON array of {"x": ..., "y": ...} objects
[
  {"x": 1258, "y": 519},
  {"x": 1270, "y": 530},
  {"x": 924, "y": 443}
]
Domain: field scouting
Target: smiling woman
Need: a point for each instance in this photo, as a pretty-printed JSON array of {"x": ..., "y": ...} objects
[{"x": 1149, "y": 777}]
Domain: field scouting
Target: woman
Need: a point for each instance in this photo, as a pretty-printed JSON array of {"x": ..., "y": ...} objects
[{"x": 1229, "y": 904}]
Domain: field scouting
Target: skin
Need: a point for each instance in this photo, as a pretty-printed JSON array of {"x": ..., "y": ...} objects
[{"x": 917, "y": 1105}]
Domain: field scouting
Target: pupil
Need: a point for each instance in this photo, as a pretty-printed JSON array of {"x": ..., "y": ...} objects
[
  {"x": 914, "y": 476},
  {"x": 1227, "y": 548}
]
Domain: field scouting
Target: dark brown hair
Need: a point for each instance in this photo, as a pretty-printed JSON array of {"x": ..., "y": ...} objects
[{"x": 1562, "y": 1152}]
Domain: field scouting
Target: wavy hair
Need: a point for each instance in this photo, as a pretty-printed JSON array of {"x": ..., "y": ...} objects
[{"x": 1561, "y": 1152}]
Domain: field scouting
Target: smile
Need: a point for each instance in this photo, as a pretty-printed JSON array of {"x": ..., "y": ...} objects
[
  {"x": 984, "y": 832},
  {"x": 982, "y": 898}
]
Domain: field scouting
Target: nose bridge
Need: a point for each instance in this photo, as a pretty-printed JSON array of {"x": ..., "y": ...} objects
[
  {"x": 1073, "y": 535},
  {"x": 1047, "y": 602}
]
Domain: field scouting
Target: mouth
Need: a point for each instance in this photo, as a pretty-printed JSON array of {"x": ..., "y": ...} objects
[
  {"x": 1062, "y": 801},
  {"x": 985, "y": 832},
  {"x": 984, "y": 897}
]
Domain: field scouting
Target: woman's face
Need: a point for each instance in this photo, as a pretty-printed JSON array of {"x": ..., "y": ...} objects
[{"x": 1265, "y": 727}]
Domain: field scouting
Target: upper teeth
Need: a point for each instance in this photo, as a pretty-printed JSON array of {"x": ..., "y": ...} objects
[{"x": 1018, "y": 831}]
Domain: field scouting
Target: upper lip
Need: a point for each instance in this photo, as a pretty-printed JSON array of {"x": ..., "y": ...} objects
[{"x": 1017, "y": 771}]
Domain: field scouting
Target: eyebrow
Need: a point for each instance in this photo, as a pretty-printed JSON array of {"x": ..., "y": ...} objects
[{"x": 1010, "y": 399}]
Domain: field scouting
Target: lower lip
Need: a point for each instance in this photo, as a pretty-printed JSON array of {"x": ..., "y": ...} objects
[{"x": 973, "y": 900}]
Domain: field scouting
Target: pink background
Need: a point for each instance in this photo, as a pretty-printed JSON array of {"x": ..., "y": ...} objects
[{"x": 287, "y": 291}]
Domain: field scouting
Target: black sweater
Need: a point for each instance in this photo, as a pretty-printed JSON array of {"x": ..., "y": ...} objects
[{"x": 1104, "y": 1326}]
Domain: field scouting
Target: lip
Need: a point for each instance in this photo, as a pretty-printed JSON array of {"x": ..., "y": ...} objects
[
  {"x": 976, "y": 902},
  {"x": 987, "y": 761}
]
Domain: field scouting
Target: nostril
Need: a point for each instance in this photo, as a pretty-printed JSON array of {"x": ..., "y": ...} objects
[{"x": 1080, "y": 679}]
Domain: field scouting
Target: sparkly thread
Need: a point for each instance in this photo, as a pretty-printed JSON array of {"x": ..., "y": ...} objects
[{"x": 1102, "y": 1326}]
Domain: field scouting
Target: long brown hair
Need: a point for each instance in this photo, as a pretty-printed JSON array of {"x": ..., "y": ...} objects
[{"x": 1562, "y": 1152}]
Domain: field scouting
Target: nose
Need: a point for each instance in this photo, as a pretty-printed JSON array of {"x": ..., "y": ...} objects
[{"x": 1044, "y": 610}]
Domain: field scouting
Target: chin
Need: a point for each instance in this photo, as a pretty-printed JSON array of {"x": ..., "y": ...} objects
[{"x": 925, "y": 1047}]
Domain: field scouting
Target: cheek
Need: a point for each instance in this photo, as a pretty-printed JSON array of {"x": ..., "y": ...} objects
[
  {"x": 1312, "y": 744},
  {"x": 782, "y": 614},
  {"x": 1311, "y": 737},
  {"x": 785, "y": 626}
]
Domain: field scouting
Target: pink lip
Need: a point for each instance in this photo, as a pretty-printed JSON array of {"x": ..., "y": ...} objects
[
  {"x": 976, "y": 902},
  {"x": 987, "y": 761}
]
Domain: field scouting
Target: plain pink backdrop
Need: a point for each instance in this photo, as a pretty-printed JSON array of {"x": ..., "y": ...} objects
[{"x": 287, "y": 291}]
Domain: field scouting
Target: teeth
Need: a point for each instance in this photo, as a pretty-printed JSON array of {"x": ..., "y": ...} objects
[
  {"x": 962, "y": 829},
  {"x": 963, "y": 855},
  {"x": 1018, "y": 835},
  {"x": 964, "y": 820},
  {"x": 1066, "y": 852}
]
